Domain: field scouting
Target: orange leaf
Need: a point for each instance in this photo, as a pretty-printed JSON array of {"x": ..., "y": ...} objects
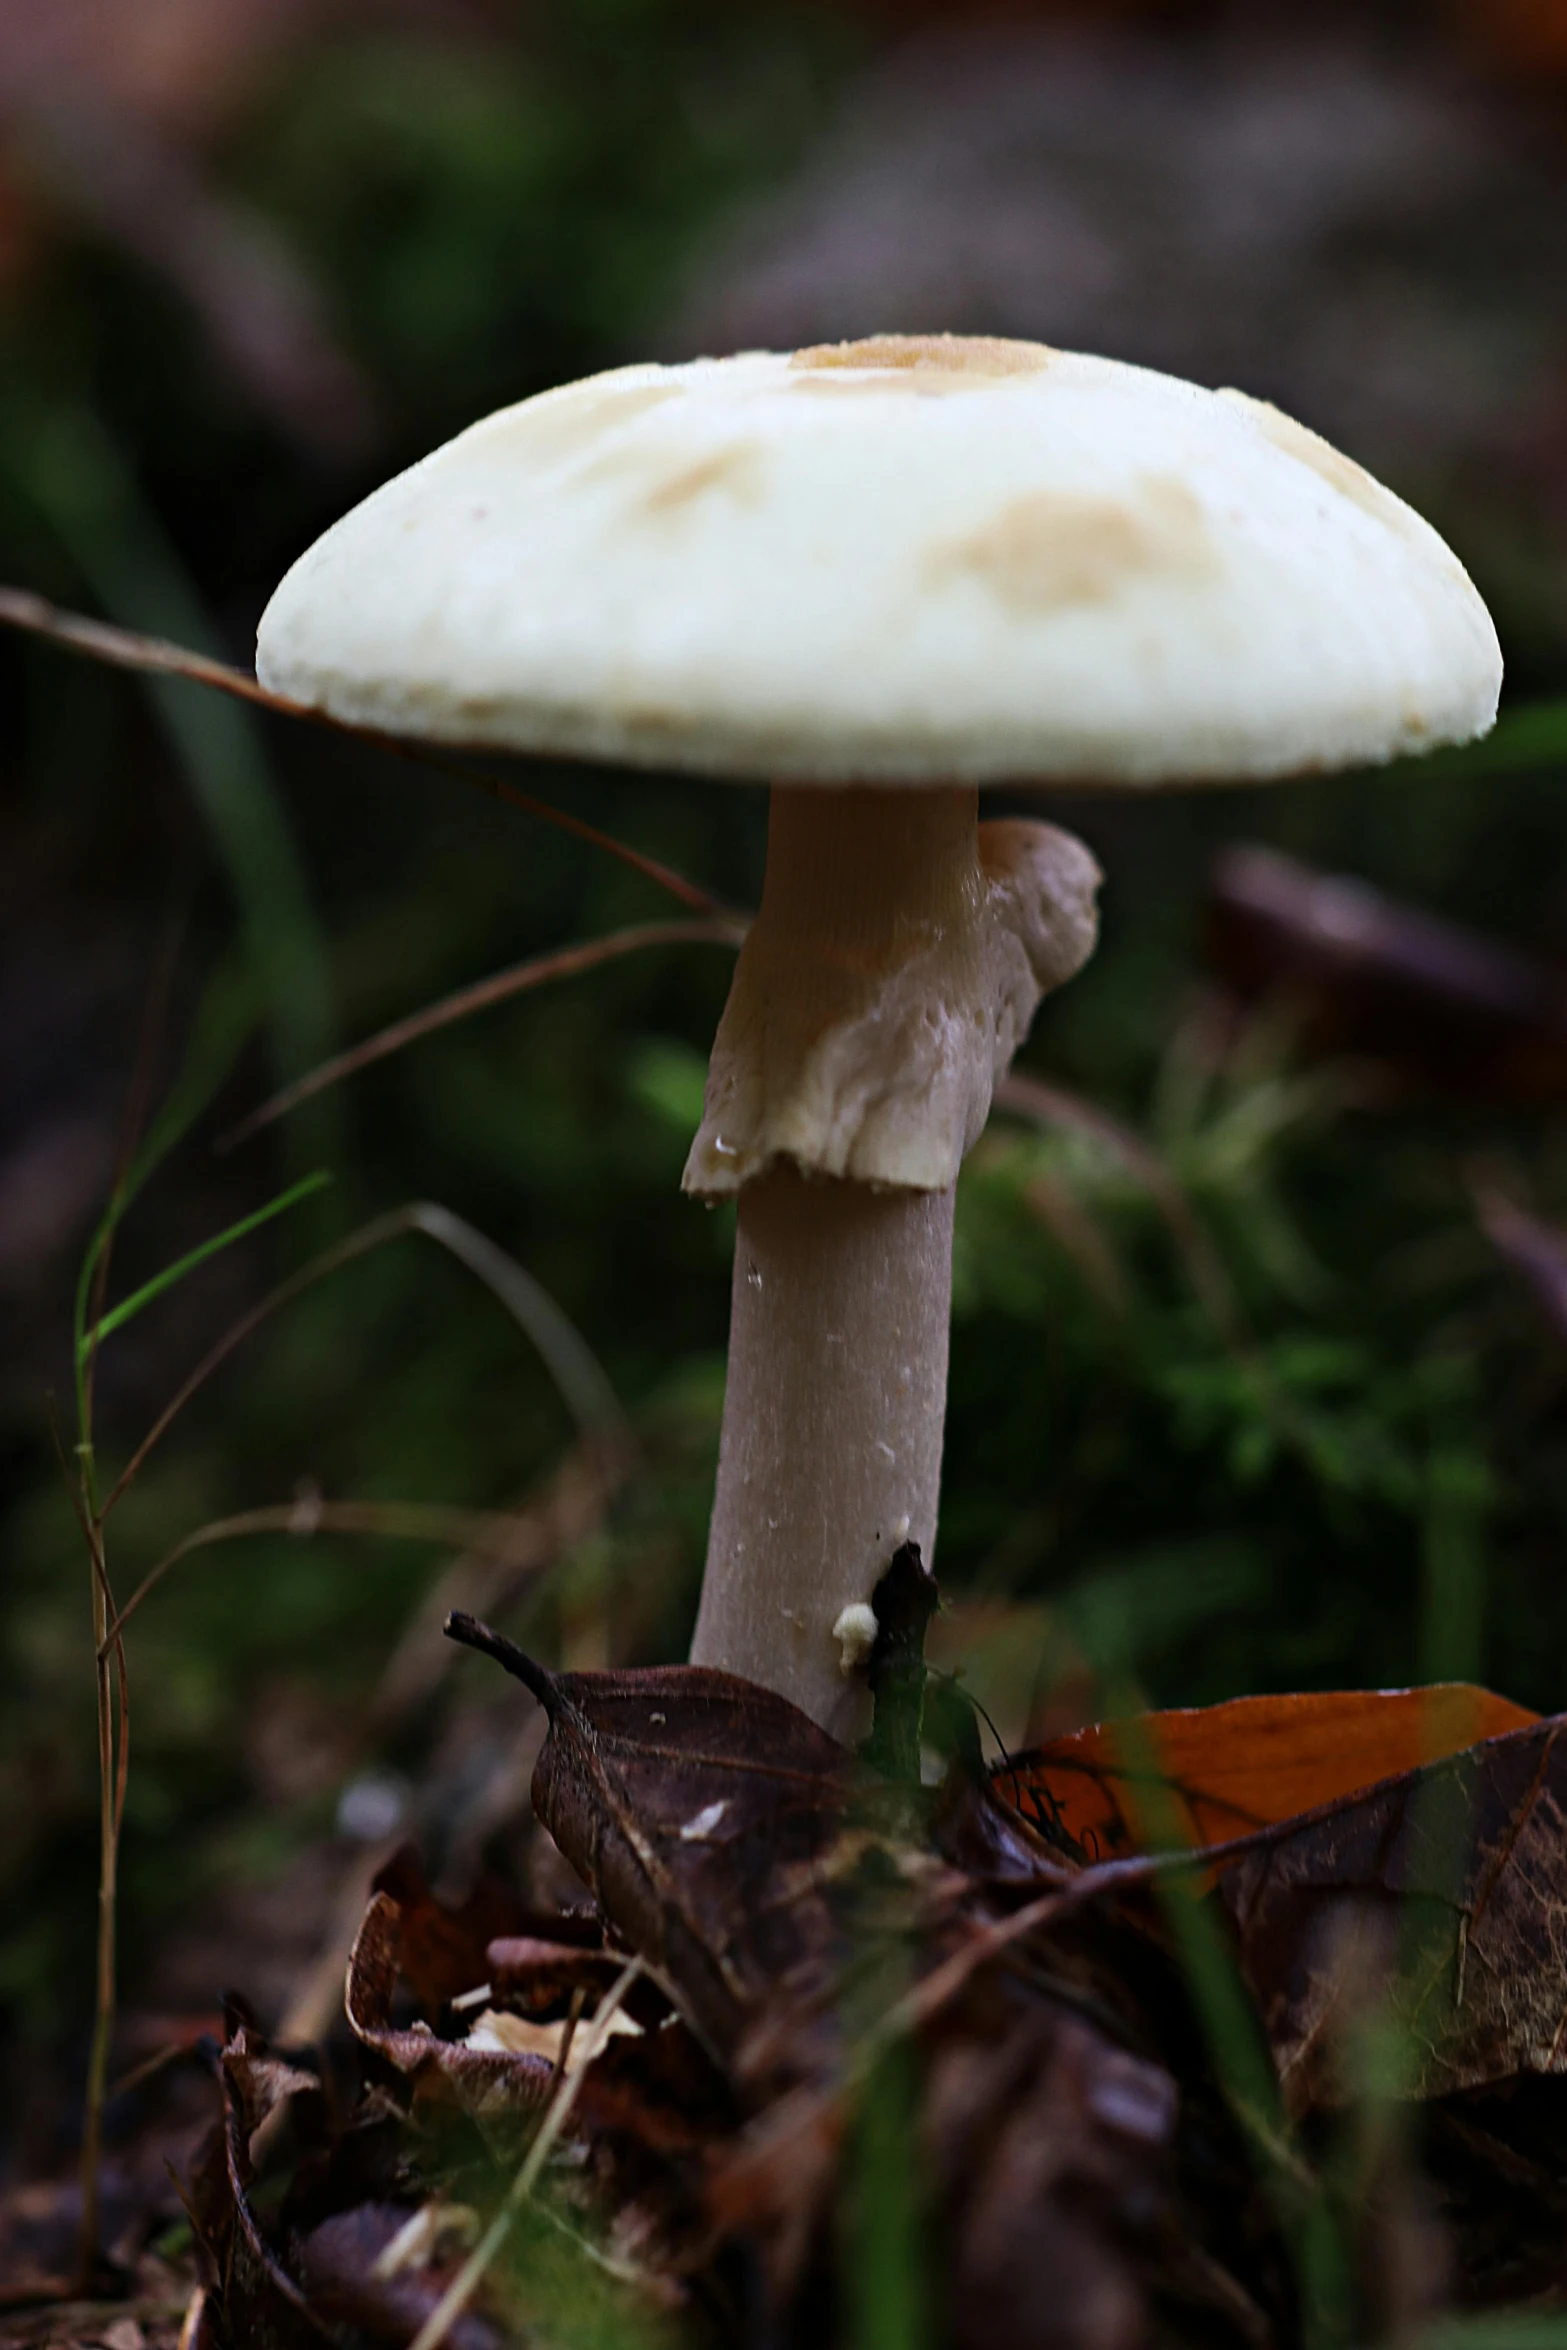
[{"x": 1225, "y": 1770}]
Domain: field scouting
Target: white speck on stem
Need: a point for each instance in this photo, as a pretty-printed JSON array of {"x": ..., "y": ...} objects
[{"x": 855, "y": 1632}]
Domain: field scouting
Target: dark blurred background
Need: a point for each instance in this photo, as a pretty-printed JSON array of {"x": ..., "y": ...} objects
[{"x": 1258, "y": 1365}]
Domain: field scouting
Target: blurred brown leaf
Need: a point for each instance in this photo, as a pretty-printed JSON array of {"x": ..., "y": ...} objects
[
  {"x": 364, "y": 2261},
  {"x": 260, "y": 2301},
  {"x": 442, "y": 1951},
  {"x": 1535, "y": 1249},
  {"x": 104, "y": 109},
  {"x": 497, "y": 2088},
  {"x": 823, "y": 1934},
  {"x": 1441, "y": 1006},
  {"x": 762, "y": 1870},
  {"x": 1397, "y": 1851},
  {"x": 182, "y": 63},
  {"x": 105, "y": 170},
  {"x": 1522, "y": 36}
]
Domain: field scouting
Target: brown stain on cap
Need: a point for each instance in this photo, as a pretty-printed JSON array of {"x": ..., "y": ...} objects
[
  {"x": 737, "y": 469},
  {"x": 1051, "y": 549},
  {"x": 924, "y": 362}
]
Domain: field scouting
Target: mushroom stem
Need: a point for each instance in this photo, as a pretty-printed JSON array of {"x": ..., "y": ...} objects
[
  {"x": 858, "y": 1027},
  {"x": 895, "y": 964},
  {"x": 833, "y": 1413},
  {"x": 831, "y": 1447}
]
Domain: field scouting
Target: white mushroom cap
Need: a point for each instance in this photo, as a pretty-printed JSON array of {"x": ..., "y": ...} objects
[{"x": 907, "y": 560}]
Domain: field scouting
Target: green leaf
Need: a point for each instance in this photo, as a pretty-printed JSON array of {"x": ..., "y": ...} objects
[{"x": 67, "y": 464}]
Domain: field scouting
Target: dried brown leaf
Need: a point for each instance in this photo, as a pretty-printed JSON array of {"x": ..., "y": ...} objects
[
  {"x": 443, "y": 1952},
  {"x": 806, "y": 1916},
  {"x": 1437, "y": 1901},
  {"x": 261, "y": 2304},
  {"x": 537, "y": 1975},
  {"x": 705, "y": 1813},
  {"x": 494, "y": 2087},
  {"x": 1444, "y": 1007}
]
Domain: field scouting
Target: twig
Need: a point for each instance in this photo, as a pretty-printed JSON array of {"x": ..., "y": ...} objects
[
  {"x": 561, "y": 963},
  {"x": 397, "y": 1521},
  {"x": 583, "y": 1384},
  {"x": 113, "y": 1756},
  {"x": 121, "y": 648},
  {"x": 933, "y": 1991},
  {"x": 369, "y": 1236},
  {"x": 557, "y": 1516}
]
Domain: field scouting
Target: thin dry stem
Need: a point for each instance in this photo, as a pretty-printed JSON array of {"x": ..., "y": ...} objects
[
  {"x": 602, "y": 1423},
  {"x": 113, "y": 1753},
  {"x": 560, "y": 963},
  {"x": 369, "y": 1236},
  {"x": 567, "y": 1511},
  {"x": 120, "y": 648},
  {"x": 491, "y": 1532}
]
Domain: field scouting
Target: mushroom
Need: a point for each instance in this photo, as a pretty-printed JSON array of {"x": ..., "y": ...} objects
[{"x": 877, "y": 575}]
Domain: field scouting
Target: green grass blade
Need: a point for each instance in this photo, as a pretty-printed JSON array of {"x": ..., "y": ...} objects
[
  {"x": 1533, "y": 735},
  {"x": 1453, "y": 1598},
  {"x": 77, "y": 479},
  {"x": 224, "y": 1021},
  {"x": 886, "y": 2284},
  {"x": 132, "y": 1305}
]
